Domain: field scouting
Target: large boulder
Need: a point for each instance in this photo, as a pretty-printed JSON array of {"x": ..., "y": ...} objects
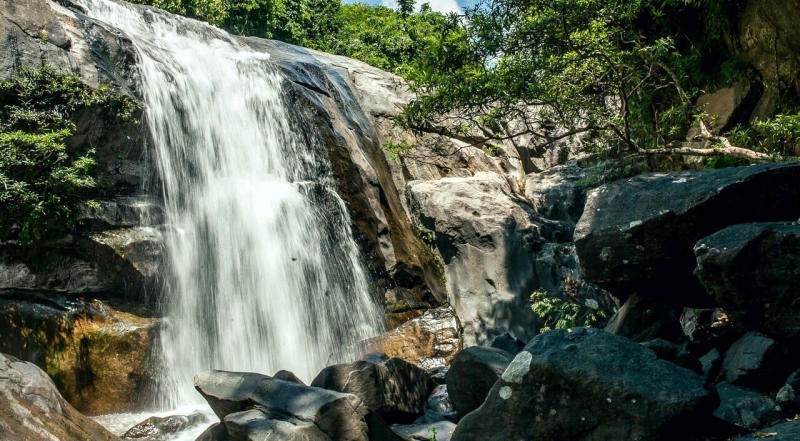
[
  {"x": 395, "y": 389},
  {"x": 586, "y": 384},
  {"x": 745, "y": 409},
  {"x": 757, "y": 361},
  {"x": 31, "y": 408},
  {"x": 337, "y": 415},
  {"x": 636, "y": 236},
  {"x": 496, "y": 251},
  {"x": 430, "y": 341},
  {"x": 752, "y": 270},
  {"x": 100, "y": 357},
  {"x": 473, "y": 373}
]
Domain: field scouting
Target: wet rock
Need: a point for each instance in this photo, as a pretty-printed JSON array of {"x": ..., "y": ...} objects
[
  {"x": 752, "y": 272},
  {"x": 757, "y": 361},
  {"x": 132, "y": 257},
  {"x": 99, "y": 357},
  {"x": 394, "y": 389},
  {"x": 440, "y": 431},
  {"x": 642, "y": 319},
  {"x": 215, "y": 432},
  {"x": 255, "y": 425},
  {"x": 163, "y": 428},
  {"x": 473, "y": 373},
  {"x": 287, "y": 376},
  {"x": 439, "y": 407},
  {"x": 430, "y": 341},
  {"x": 339, "y": 416},
  {"x": 588, "y": 384},
  {"x": 508, "y": 343},
  {"x": 637, "y": 235},
  {"x": 745, "y": 409},
  {"x": 31, "y": 408}
]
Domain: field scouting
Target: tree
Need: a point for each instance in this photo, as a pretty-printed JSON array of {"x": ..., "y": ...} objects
[
  {"x": 43, "y": 183},
  {"x": 406, "y": 7},
  {"x": 623, "y": 72}
]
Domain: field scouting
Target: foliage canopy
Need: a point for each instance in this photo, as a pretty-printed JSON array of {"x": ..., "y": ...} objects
[{"x": 43, "y": 183}]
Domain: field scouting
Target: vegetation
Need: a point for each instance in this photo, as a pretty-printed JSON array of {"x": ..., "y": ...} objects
[
  {"x": 43, "y": 182},
  {"x": 564, "y": 313}
]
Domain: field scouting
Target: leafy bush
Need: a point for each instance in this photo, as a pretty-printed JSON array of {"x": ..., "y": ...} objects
[
  {"x": 779, "y": 135},
  {"x": 42, "y": 181},
  {"x": 563, "y": 313}
]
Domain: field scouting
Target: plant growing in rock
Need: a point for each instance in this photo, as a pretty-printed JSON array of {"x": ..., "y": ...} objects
[
  {"x": 43, "y": 182},
  {"x": 566, "y": 312}
]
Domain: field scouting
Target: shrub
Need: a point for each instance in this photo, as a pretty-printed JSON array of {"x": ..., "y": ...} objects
[
  {"x": 43, "y": 183},
  {"x": 563, "y": 313}
]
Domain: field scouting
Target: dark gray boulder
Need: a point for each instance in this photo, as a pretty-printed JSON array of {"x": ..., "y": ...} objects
[
  {"x": 756, "y": 361},
  {"x": 636, "y": 236},
  {"x": 395, "y": 389},
  {"x": 642, "y": 319},
  {"x": 788, "y": 396},
  {"x": 753, "y": 272},
  {"x": 473, "y": 373},
  {"x": 745, "y": 409},
  {"x": 789, "y": 431},
  {"x": 587, "y": 384},
  {"x": 439, "y": 407},
  {"x": 339, "y": 416},
  {"x": 508, "y": 343}
]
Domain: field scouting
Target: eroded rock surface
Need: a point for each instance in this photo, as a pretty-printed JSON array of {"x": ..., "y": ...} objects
[{"x": 31, "y": 408}]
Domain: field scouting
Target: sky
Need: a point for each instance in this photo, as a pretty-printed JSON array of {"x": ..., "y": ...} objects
[{"x": 443, "y": 6}]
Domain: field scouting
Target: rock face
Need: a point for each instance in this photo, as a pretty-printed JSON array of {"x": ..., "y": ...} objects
[
  {"x": 752, "y": 271},
  {"x": 252, "y": 405},
  {"x": 472, "y": 374},
  {"x": 31, "y": 408},
  {"x": 394, "y": 389},
  {"x": 496, "y": 249},
  {"x": 430, "y": 341},
  {"x": 588, "y": 385},
  {"x": 789, "y": 431},
  {"x": 99, "y": 357},
  {"x": 636, "y": 236}
]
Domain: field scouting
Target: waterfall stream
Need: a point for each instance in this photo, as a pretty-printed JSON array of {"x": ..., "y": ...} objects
[{"x": 262, "y": 272}]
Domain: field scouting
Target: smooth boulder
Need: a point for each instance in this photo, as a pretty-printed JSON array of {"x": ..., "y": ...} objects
[
  {"x": 757, "y": 361},
  {"x": 587, "y": 384},
  {"x": 31, "y": 408},
  {"x": 473, "y": 373},
  {"x": 745, "y": 409},
  {"x": 637, "y": 235},
  {"x": 395, "y": 389},
  {"x": 339, "y": 416},
  {"x": 753, "y": 272}
]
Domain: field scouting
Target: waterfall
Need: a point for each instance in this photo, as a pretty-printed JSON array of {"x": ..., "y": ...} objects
[{"x": 262, "y": 270}]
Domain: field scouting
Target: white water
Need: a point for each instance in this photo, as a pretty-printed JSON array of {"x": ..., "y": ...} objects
[{"x": 263, "y": 273}]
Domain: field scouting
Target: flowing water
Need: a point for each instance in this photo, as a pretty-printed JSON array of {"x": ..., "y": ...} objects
[{"x": 263, "y": 273}]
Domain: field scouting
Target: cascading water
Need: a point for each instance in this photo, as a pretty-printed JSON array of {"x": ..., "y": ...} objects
[{"x": 263, "y": 271}]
